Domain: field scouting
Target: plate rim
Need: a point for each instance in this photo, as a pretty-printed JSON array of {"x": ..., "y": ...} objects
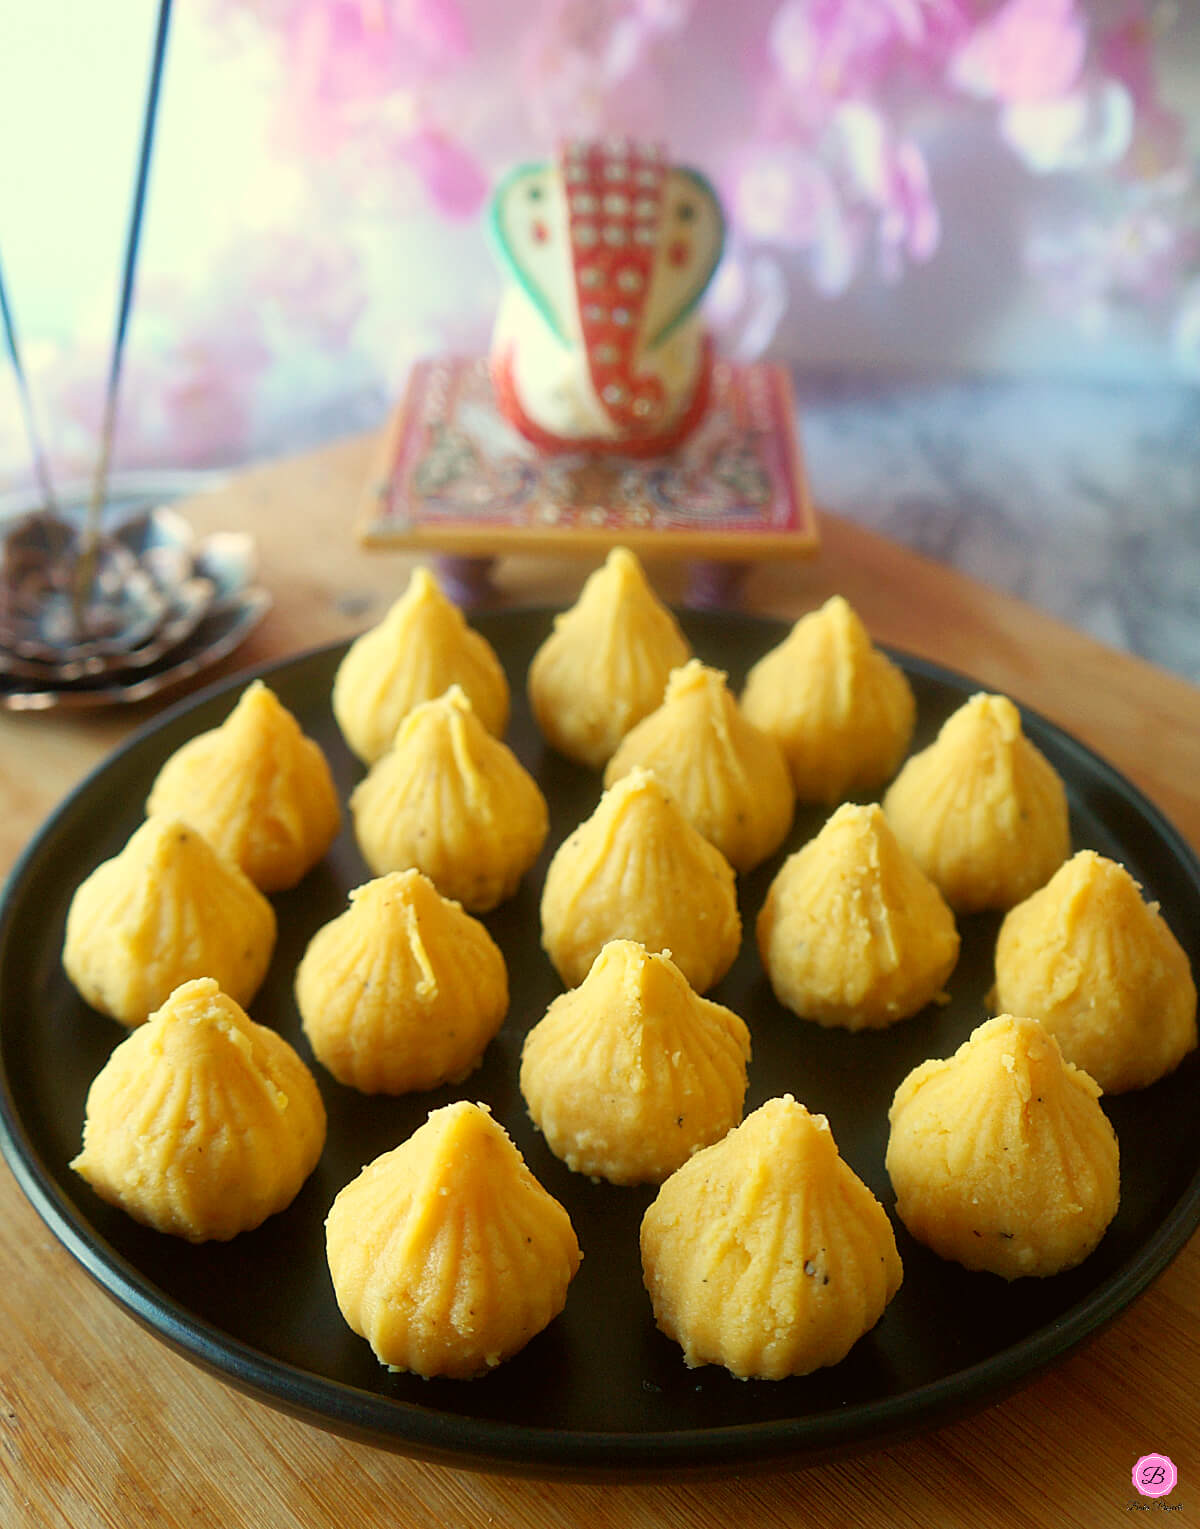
[{"x": 490, "y": 1444}]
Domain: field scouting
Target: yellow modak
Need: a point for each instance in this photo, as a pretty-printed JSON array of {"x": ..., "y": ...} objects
[
  {"x": 766, "y": 1253},
  {"x": 1001, "y": 1157},
  {"x": 201, "y": 1123},
  {"x": 420, "y": 648},
  {"x": 402, "y": 991},
  {"x": 166, "y": 910},
  {"x": 981, "y": 810},
  {"x": 605, "y": 664},
  {"x": 730, "y": 777},
  {"x": 853, "y": 933},
  {"x": 446, "y": 1253},
  {"x": 257, "y": 789},
  {"x": 631, "y": 1072},
  {"x": 1102, "y": 971},
  {"x": 638, "y": 870},
  {"x": 841, "y": 709},
  {"x": 453, "y": 802}
]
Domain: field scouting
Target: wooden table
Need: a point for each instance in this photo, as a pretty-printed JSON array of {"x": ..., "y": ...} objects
[{"x": 101, "y": 1424}]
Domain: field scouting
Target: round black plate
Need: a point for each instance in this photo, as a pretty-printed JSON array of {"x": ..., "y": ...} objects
[{"x": 601, "y": 1390}]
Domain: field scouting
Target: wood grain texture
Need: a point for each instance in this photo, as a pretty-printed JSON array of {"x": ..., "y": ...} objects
[{"x": 103, "y": 1427}]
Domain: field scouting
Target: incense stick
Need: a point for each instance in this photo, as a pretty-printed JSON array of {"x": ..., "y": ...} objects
[
  {"x": 41, "y": 462},
  {"x": 85, "y": 568}
]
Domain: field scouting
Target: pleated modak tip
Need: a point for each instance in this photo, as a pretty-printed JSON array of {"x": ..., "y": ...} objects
[
  {"x": 853, "y": 933},
  {"x": 165, "y": 910},
  {"x": 766, "y": 1253},
  {"x": 605, "y": 664},
  {"x": 403, "y": 991},
  {"x": 1100, "y": 968},
  {"x": 446, "y": 1254},
  {"x": 638, "y": 870},
  {"x": 630, "y": 1073},
  {"x": 1001, "y": 1157},
  {"x": 201, "y": 1123},
  {"x": 981, "y": 810},
  {"x": 842, "y": 711},
  {"x": 729, "y": 777},
  {"x": 420, "y": 648},
  {"x": 454, "y": 802},
  {"x": 258, "y": 790}
]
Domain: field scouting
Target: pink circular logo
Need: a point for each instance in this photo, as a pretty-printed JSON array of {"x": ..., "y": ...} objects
[{"x": 1155, "y": 1475}]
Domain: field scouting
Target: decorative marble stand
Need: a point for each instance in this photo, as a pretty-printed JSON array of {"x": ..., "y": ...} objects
[{"x": 455, "y": 477}]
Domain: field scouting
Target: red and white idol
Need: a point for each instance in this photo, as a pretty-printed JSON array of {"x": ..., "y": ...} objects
[{"x": 599, "y": 344}]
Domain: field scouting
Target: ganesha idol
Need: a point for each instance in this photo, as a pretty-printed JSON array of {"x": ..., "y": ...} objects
[{"x": 599, "y": 343}]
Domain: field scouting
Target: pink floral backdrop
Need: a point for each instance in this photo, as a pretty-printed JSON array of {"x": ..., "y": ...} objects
[{"x": 983, "y": 184}]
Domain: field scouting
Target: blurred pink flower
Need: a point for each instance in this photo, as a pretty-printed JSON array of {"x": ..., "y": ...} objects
[
  {"x": 783, "y": 195},
  {"x": 910, "y": 224},
  {"x": 786, "y": 196},
  {"x": 342, "y": 55},
  {"x": 348, "y": 50},
  {"x": 1158, "y": 142},
  {"x": 890, "y": 176},
  {"x": 860, "y": 183},
  {"x": 1125, "y": 51},
  {"x": 1137, "y": 257},
  {"x": 1027, "y": 50},
  {"x": 843, "y": 48},
  {"x": 455, "y": 182},
  {"x": 1088, "y": 128},
  {"x": 587, "y": 65},
  {"x": 1152, "y": 248},
  {"x": 745, "y": 303},
  {"x": 339, "y": 51}
]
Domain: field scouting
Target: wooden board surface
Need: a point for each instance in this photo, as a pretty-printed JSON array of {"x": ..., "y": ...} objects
[{"x": 102, "y": 1425}]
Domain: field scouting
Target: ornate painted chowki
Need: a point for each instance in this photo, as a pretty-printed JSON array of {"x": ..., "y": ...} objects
[{"x": 602, "y": 415}]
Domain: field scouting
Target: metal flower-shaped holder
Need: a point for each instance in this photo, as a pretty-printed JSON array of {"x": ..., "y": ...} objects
[{"x": 158, "y": 605}]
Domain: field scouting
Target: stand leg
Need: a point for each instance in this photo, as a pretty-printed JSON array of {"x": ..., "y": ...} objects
[
  {"x": 467, "y": 580},
  {"x": 713, "y": 585}
]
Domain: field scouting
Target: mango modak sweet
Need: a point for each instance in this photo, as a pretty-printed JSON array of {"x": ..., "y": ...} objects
[
  {"x": 853, "y": 933},
  {"x": 638, "y": 870},
  {"x": 454, "y": 802},
  {"x": 402, "y": 991},
  {"x": 201, "y": 1123},
  {"x": 981, "y": 810},
  {"x": 165, "y": 910},
  {"x": 766, "y": 1253},
  {"x": 1100, "y": 968},
  {"x": 420, "y": 648},
  {"x": 606, "y": 662},
  {"x": 730, "y": 777},
  {"x": 842, "y": 711},
  {"x": 446, "y": 1254},
  {"x": 1001, "y": 1156},
  {"x": 257, "y": 789},
  {"x": 631, "y": 1072}
]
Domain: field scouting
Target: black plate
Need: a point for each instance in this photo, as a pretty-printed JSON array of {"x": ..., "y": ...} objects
[{"x": 600, "y": 1391}]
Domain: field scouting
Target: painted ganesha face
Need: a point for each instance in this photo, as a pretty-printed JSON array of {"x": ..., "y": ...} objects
[{"x": 598, "y": 343}]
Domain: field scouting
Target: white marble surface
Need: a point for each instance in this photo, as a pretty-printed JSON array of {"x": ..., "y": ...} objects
[{"x": 1083, "y": 500}]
